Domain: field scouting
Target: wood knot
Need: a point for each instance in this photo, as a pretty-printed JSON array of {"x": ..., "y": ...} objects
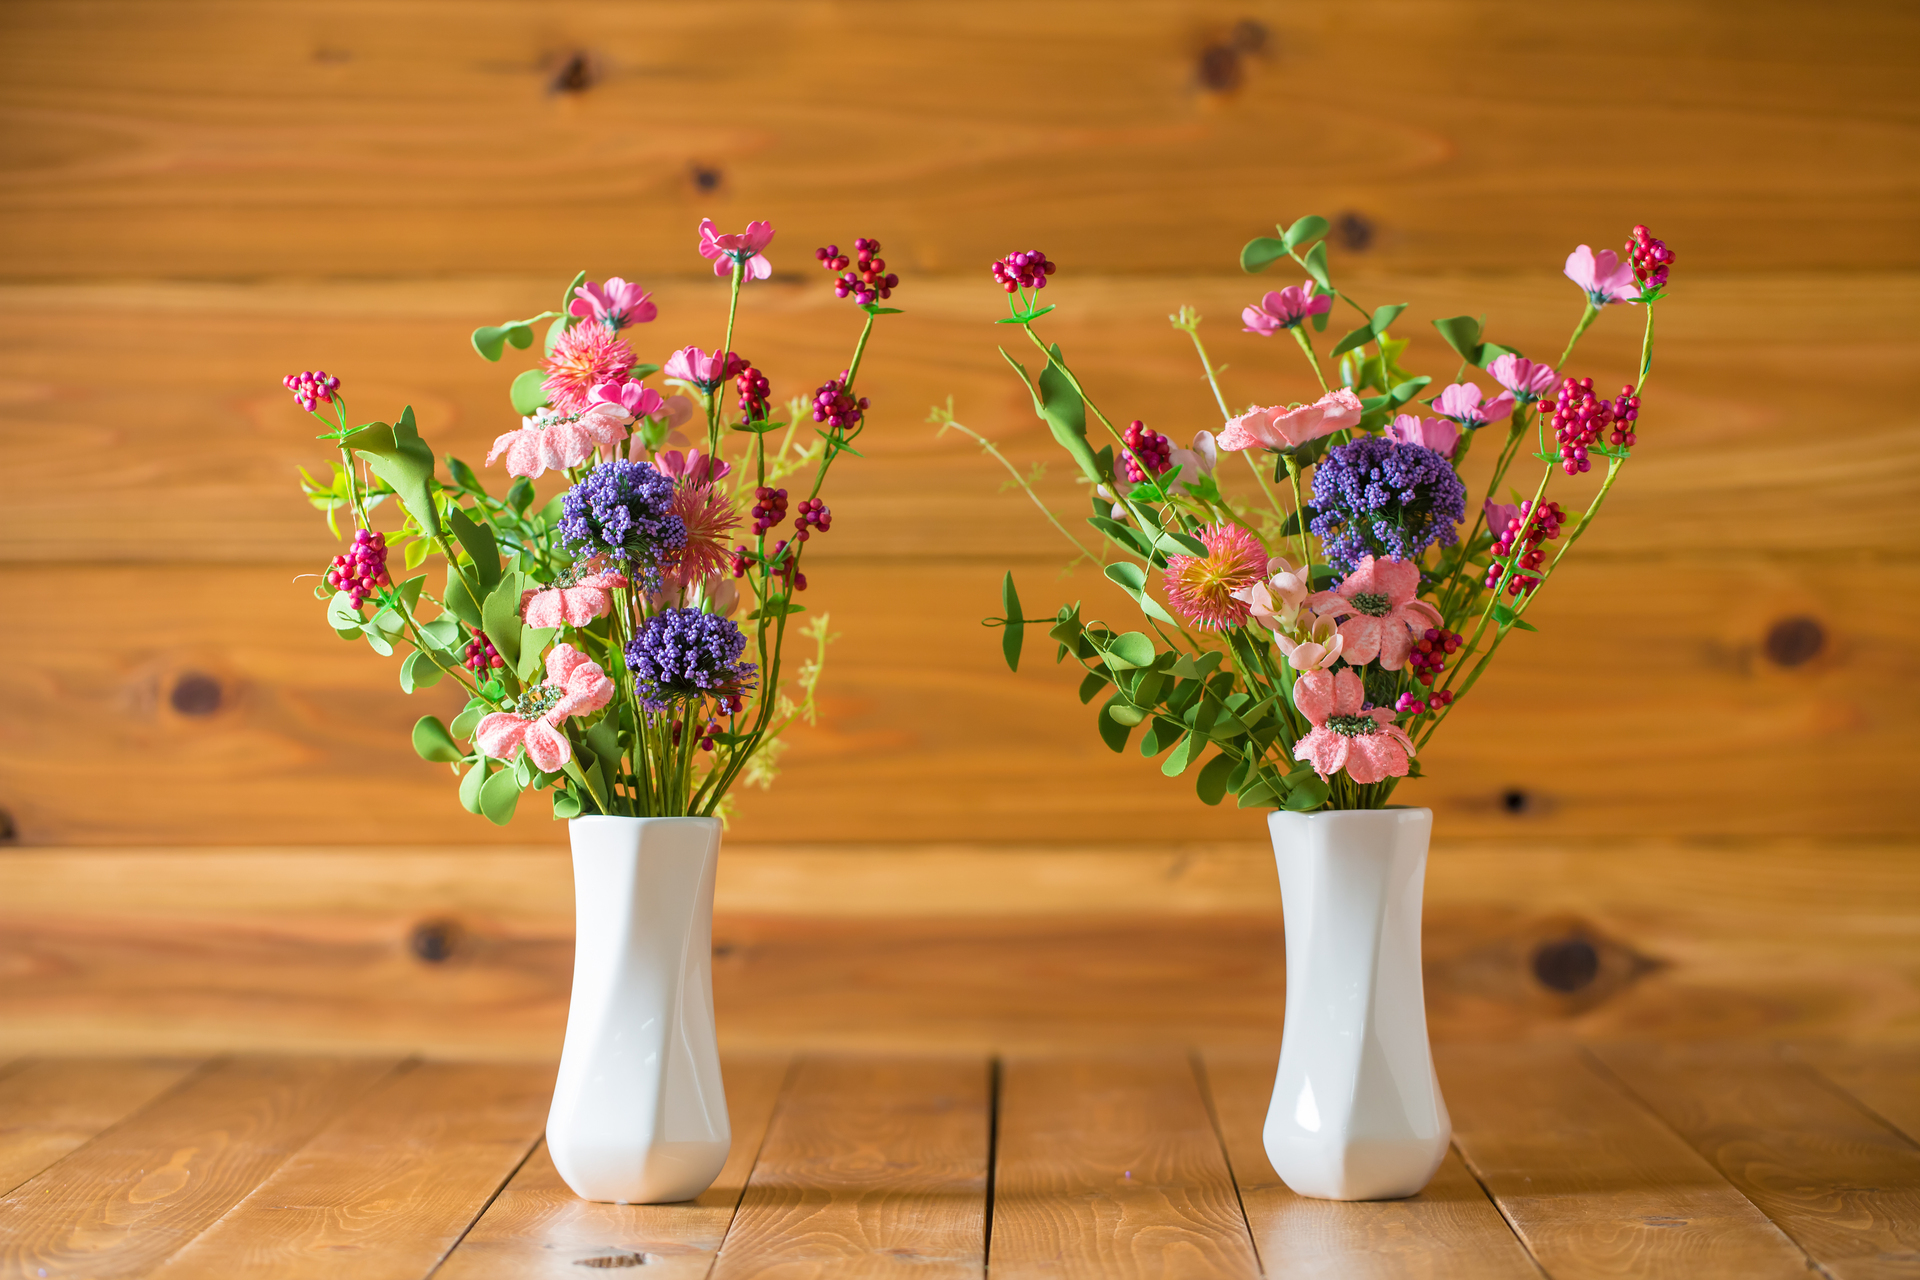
[
  {"x": 1221, "y": 69},
  {"x": 1792, "y": 642},
  {"x": 8, "y": 831},
  {"x": 1353, "y": 231},
  {"x": 576, "y": 74},
  {"x": 705, "y": 178},
  {"x": 195, "y": 694},
  {"x": 1519, "y": 802},
  {"x": 1566, "y": 964},
  {"x": 615, "y": 1260},
  {"x": 434, "y": 941}
]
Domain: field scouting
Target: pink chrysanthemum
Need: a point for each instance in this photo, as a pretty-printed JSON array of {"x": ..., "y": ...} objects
[
  {"x": 586, "y": 356},
  {"x": 1201, "y": 588},
  {"x": 710, "y": 522}
]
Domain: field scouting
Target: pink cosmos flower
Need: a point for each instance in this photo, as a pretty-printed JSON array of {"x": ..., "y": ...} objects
[
  {"x": 1285, "y": 587},
  {"x": 1367, "y": 744},
  {"x": 1203, "y": 589},
  {"x": 1378, "y": 614},
  {"x": 1317, "y": 652},
  {"x": 1500, "y": 515},
  {"x": 1527, "y": 380},
  {"x": 1291, "y": 427},
  {"x": 615, "y": 304},
  {"x": 703, "y": 369},
  {"x": 586, "y": 356},
  {"x": 575, "y": 685},
  {"x": 1461, "y": 402},
  {"x": 549, "y": 440},
  {"x": 1285, "y": 308},
  {"x": 1198, "y": 461},
  {"x": 1437, "y": 434},
  {"x": 693, "y": 467},
  {"x": 747, "y": 249},
  {"x": 1603, "y": 276},
  {"x": 633, "y": 399},
  {"x": 573, "y": 606}
]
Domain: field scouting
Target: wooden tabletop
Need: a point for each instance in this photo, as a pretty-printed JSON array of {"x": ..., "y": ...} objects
[{"x": 1612, "y": 1160}]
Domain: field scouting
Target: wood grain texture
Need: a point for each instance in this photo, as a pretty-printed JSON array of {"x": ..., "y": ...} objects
[
  {"x": 1450, "y": 1231},
  {"x": 386, "y": 1189},
  {"x": 224, "y": 140},
  {"x": 1883, "y": 1078},
  {"x": 139, "y": 1192},
  {"x": 1110, "y": 1166},
  {"x": 538, "y": 1229},
  {"x": 1829, "y": 1173},
  {"x": 51, "y": 1106},
  {"x": 871, "y": 1167},
  {"x": 1592, "y": 1183}
]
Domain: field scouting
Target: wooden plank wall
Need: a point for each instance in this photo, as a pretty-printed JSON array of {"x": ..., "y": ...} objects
[{"x": 197, "y": 197}]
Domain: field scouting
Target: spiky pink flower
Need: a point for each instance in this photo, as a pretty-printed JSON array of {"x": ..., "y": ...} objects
[
  {"x": 1366, "y": 743},
  {"x": 747, "y": 248},
  {"x": 1289, "y": 427},
  {"x": 1285, "y": 308},
  {"x": 1462, "y": 403},
  {"x": 710, "y": 521},
  {"x": 575, "y": 686},
  {"x": 554, "y": 441},
  {"x": 1202, "y": 588},
  {"x": 1377, "y": 611},
  {"x": 1602, "y": 276},
  {"x": 586, "y": 356},
  {"x": 1528, "y": 381},
  {"x": 615, "y": 304},
  {"x": 1437, "y": 434}
]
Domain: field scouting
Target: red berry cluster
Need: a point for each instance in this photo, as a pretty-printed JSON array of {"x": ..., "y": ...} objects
[
  {"x": 788, "y": 570},
  {"x": 1430, "y": 651},
  {"x": 1149, "y": 453},
  {"x": 363, "y": 569},
  {"x": 868, "y": 281},
  {"x": 1531, "y": 527},
  {"x": 1027, "y": 270},
  {"x": 769, "y": 508},
  {"x": 1412, "y": 706},
  {"x": 1626, "y": 412},
  {"x": 834, "y": 405},
  {"x": 742, "y": 560},
  {"x": 1578, "y": 419},
  {"x": 813, "y": 516},
  {"x": 480, "y": 655},
  {"x": 311, "y": 387},
  {"x": 754, "y": 391},
  {"x": 1651, "y": 258}
]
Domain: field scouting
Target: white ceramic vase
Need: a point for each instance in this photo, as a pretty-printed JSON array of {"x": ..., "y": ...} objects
[
  {"x": 639, "y": 1114},
  {"x": 1357, "y": 1112}
]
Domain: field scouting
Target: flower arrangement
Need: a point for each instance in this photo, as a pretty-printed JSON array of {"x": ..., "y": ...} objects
[
  {"x": 594, "y": 633},
  {"x": 1315, "y": 639}
]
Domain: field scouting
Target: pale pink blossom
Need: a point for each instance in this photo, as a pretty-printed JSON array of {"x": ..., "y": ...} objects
[
  {"x": 1285, "y": 308},
  {"x": 1366, "y": 743},
  {"x": 1462, "y": 403},
  {"x": 615, "y": 304},
  {"x": 575, "y": 686},
  {"x": 1317, "y": 652},
  {"x": 635, "y": 399},
  {"x": 691, "y": 467},
  {"x": 1437, "y": 434},
  {"x": 573, "y": 606},
  {"x": 1276, "y": 601},
  {"x": 1602, "y": 276},
  {"x": 1289, "y": 427},
  {"x": 1378, "y": 613},
  {"x": 1500, "y": 515},
  {"x": 1527, "y": 380},
  {"x": 703, "y": 369},
  {"x": 1198, "y": 460},
  {"x": 747, "y": 249},
  {"x": 552, "y": 441}
]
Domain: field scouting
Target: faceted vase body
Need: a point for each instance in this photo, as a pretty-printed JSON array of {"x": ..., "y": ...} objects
[
  {"x": 1357, "y": 1112},
  {"x": 639, "y": 1114}
]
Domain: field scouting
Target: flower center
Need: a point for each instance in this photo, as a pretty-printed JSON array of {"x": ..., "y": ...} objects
[
  {"x": 537, "y": 701},
  {"x": 1352, "y": 726},
  {"x": 1371, "y": 603}
]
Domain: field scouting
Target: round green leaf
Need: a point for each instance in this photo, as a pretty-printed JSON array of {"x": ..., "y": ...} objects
[
  {"x": 498, "y": 796},
  {"x": 431, "y": 741}
]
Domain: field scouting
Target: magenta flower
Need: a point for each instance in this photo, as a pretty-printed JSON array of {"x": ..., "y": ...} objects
[
  {"x": 573, "y": 606},
  {"x": 1366, "y": 743},
  {"x": 575, "y": 685},
  {"x": 615, "y": 304},
  {"x": 747, "y": 249},
  {"x": 705, "y": 370},
  {"x": 550, "y": 441},
  {"x": 634, "y": 399},
  {"x": 1499, "y": 516},
  {"x": 1528, "y": 381},
  {"x": 691, "y": 467},
  {"x": 1377, "y": 611},
  {"x": 1285, "y": 308},
  {"x": 1291, "y": 426},
  {"x": 1437, "y": 434},
  {"x": 1603, "y": 276},
  {"x": 1461, "y": 402}
]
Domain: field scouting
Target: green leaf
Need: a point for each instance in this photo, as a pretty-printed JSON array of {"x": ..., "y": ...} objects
[
  {"x": 1384, "y": 316},
  {"x": 1189, "y": 668},
  {"x": 1524, "y": 625},
  {"x": 1059, "y": 406},
  {"x": 1182, "y": 755},
  {"x": 1112, "y": 732},
  {"x": 1502, "y": 614},
  {"x": 1133, "y": 581},
  {"x": 873, "y": 310},
  {"x": 400, "y": 457},
  {"x": 1308, "y": 793},
  {"x": 1126, "y": 713},
  {"x": 419, "y": 671},
  {"x": 533, "y": 647},
  {"x": 1317, "y": 268},
  {"x": 1133, "y": 649},
  {"x": 469, "y": 719},
  {"x": 500, "y": 618},
  {"x": 520, "y": 495},
  {"x": 342, "y": 616},
  {"x": 476, "y": 540},
  {"x": 498, "y": 797},
  {"x": 1309, "y": 228},
  {"x": 491, "y": 339},
  {"x": 1013, "y": 628},
  {"x": 527, "y": 392},
  {"x": 1256, "y": 793},
  {"x": 460, "y": 601},
  {"x": 1261, "y": 252},
  {"x": 1358, "y": 338},
  {"x": 431, "y": 741},
  {"x": 1091, "y": 686},
  {"x": 1212, "y": 784},
  {"x": 377, "y": 642},
  {"x": 1463, "y": 335},
  {"x": 1126, "y": 535},
  {"x": 441, "y": 634},
  {"x": 566, "y": 804},
  {"x": 470, "y": 785}
]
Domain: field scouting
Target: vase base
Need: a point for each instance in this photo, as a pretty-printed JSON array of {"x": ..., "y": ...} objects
[
  {"x": 1357, "y": 1170},
  {"x": 666, "y": 1173}
]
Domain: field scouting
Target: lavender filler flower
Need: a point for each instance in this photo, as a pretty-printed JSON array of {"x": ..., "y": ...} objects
[
  {"x": 683, "y": 654},
  {"x": 621, "y": 511},
  {"x": 1383, "y": 498}
]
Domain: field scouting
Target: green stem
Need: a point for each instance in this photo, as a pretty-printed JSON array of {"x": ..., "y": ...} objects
[{"x": 1299, "y": 332}]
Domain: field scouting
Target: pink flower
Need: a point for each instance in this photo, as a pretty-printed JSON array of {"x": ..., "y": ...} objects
[
  {"x": 1203, "y": 589},
  {"x": 575, "y": 685},
  {"x": 586, "y": 356},
  {"x": 1603, "y": 276},
  {"x": 1197, "y": 462},
  {"x": 615, "y": 304},
  {"x": 1289, "y": 428},
  {"x": 1527, "y": 380},
  {"x": 1285, "y": 308},
  {"x": 703, "y": 369},
  {"x": 747, "y": 249},
  {"x": 1367, "y": 744},
  {"x": 693, "y": 467},
  {"x": 1461, "y": 402},
  {"x": 548, "y": 440},
  {"x": 1318, "y": 651},
  {"x": 633, "y": 399},
  {"x": 1500, "y": 515},
  {"x": 1437, "y": 434},
  {"x": 1381, "y": 615},
  {"x": 573, "y": 606},
  {"x": 709, "y": 519},
  {"x": 1286, "y": 587}
]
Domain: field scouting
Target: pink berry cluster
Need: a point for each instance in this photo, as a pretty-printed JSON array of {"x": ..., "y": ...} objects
[
  {"x": 1578, "y": 418},
  {"x": 769, "y": 508},
  {"x": 363, "y": 569},
  {"x": 813, "y": 516},
  {"x": 834, "y": 405},
  {"x": 311, "y": 387},
  {"x": 1531, "y": 527},
  {"x": 788, "y": 569},
  {"x": 1412, "y": 706},
  {"x": 1651, "y": 258},
  {"x": 1148, "y": 452},
  {"x": 1027, "y": 270},
  {"x": 1626, "y": 412},
  {"x": 866, "y": 280},
  {"x": 480, "y": 655},
  {"x": 755, "y": 391},
  {"x": 1430, "y": 652}
]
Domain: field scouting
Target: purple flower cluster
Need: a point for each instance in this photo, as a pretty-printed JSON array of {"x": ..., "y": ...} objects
[
  {"x": 1383, "y": 498},
  {"x": 684, "y": 654},
  {"x": 622, "y": 511}
]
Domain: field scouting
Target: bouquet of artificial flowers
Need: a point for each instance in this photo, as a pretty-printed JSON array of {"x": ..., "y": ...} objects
[
  {"x": 1315, "y": 640},
  {"x": 594, "y": 633}
]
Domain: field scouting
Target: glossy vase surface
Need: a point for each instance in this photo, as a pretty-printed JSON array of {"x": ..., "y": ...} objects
[
  {"x": 1357, "y": 1112},
  {"x": 639, "y": 1113}
]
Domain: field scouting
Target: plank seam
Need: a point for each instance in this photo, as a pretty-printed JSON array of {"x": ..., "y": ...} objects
[
  {"x": 505, "y": 1182},
  {"x": 994, "y": 1075},
  {"x": 1199, "y": 1067},
  {"x": 1834, "y": 1086},
  {"x": 1499, "y": 1208},
  {"x": 154, "y": 1101},
  {"x": 773, "y": 1116}
]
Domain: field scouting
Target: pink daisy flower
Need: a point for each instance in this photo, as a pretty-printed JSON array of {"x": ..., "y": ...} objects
[
  {"x": 1437, "y": 434},
  {"x": 635, "y": 399},
  {"x": 1284, "y": 427},
  {"x": 1602, "y": 276},
  {"x": 1527, "y": 380},
  {"x": 548, "y": 441},
  {"x": 615, "y": 304},
  {"x": 573, "y": 606},
  {"x": 1367, "y": 744},
  {"x": 575, "y": 685},
  {"x": 1378, "y": 614},
  {"x": 1285, "y": 308},
  {"x": 586, "y": 356},
  {"x": 1202, "y": 588},
  {"x": 747, "y": 248},
  {"x": 1461, "y": 402}
]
